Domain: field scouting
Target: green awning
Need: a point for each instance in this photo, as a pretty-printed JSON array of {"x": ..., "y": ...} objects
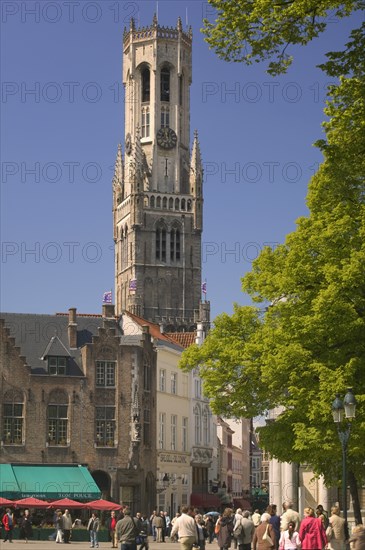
[{"x": 47, "y": 482}]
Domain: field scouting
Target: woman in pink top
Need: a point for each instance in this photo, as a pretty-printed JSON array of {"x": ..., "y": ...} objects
[
  {"x": 311, "y": 533},
  {"x": 289, "y": 539}
]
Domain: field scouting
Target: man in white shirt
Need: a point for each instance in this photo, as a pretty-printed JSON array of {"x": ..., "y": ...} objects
[
  {"x": 289, "y": 515},
  {"x": 185, "y": 527}
]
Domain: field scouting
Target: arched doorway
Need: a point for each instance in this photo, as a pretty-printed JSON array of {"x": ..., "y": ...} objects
[{"x": 103, "y": 481}]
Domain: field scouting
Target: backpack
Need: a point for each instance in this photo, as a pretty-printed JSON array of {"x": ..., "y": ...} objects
[{"x": 237, "y": 532}]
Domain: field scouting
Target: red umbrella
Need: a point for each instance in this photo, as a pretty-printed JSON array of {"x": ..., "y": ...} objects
[
  {"x": 66, "y": 503},
  {"x": 32, "y": 502},
  {"x": 6, "y": 502},
  {"x": 103, "y": 505}
]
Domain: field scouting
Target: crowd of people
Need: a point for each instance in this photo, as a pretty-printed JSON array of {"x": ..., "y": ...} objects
[{"x": 316, "y": 530}]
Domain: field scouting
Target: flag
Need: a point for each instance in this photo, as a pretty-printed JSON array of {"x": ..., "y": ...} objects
[
  {"x": 107, "y": 297},
  {"x": 204, "y": 287},
  {"x": 133, "y": 284}
]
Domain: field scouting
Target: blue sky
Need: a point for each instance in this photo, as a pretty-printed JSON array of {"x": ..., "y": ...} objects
[{"x": 59, "y": 142}]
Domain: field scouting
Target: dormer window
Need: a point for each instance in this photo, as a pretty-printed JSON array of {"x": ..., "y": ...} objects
[{"x": 57, "y": 365}]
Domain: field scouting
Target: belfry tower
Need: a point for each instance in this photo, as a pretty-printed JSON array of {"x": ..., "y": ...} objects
[{"x": 157, "y": 184}]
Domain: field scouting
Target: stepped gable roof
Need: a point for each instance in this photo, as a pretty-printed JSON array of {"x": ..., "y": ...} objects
[
  {"x": 154, "y": 329},
  {"x": 184, "y": 339},
  {"x": 38, "y": 335}
]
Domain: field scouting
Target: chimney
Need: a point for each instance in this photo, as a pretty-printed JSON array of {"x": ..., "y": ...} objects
[
  {"x": 108, "y": 311},
  {"x": 72, "y": 328}
]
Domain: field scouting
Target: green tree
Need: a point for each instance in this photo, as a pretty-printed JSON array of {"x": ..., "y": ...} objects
[
  {"x": 250, "y": 31},
  {"x": 304, "y": 341}
]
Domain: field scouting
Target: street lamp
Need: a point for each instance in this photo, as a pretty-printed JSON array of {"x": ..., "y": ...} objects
[{"x": 339, "y": 408}]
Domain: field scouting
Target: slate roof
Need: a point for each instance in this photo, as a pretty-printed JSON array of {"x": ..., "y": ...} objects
[{"x": 34, "y": 335}]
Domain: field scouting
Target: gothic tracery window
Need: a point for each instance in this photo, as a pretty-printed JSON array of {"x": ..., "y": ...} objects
[
  {"x": 165, "y": 84},
  {"x": 146, "y": 85},
  {"x": 161, "y": 244}
]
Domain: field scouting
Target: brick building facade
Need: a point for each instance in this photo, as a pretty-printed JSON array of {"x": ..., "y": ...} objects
[{"x": 75, "y": 390}]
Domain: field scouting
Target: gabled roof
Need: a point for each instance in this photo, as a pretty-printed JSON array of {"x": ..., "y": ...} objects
[
  {"x": 184, "y": 339},
  {"x": 55, "y": 347},
  {"x": 154, "y": 329}
]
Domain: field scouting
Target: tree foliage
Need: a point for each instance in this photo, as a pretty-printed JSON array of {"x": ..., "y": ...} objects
[
  {"x": 305, "y": 340},
  {"x": 250, "y": 31}
]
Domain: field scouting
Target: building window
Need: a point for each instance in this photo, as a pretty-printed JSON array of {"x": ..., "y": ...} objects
[
  {"x": 175, "y": 245},
  {"x": 13, "y": 423},
  {"x": 145, "y": 126},
  {"x": 56, "y": 365},
  {"x": 105, "y": 374},
  {"x": 146, "y": 85},
  {"x": 124, "y": 248},
  {"x": 57, "y": 424},
  {"x": 147, "y": 427},
  {"x": 104, "y": 426},
  {"x": 197, "y": 427},
  {"x": 173, "y": 432},
  {"x": 184, "y": 434},
  {"x": 165, "y": 117},
  {"x": 162, "y": 380},
  {"x": 198, "y": 388},
  {"x": 206, "y": 430},
  {"x": 161, "y": 430},
  {"x": 174, "y": 383},
  {"x": 161, "y": 244},
  {"x": 165, "y": 84}
]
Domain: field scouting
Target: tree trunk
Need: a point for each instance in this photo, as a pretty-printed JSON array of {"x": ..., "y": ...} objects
[{"x": 355, "y": 497}]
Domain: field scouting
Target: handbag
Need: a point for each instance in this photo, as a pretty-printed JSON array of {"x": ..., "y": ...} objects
[
  {"x": 267, "y": 537},
  {"x": 329, "y": 532}
]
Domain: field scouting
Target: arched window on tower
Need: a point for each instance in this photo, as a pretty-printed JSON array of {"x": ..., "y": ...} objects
[
  {"x": 175, "y": 245},
  {"x": 165, "y": 84},
  {"x": 161, "y": 243},
  {"x": 146, "y": 85},
  {"x": 145, "y": 125}
]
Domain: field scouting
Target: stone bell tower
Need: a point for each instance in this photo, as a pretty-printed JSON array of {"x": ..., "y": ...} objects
[{"x": 157, "y": 184}]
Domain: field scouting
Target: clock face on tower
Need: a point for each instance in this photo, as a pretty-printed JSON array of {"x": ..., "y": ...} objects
[{"x": 166, "y": 138}]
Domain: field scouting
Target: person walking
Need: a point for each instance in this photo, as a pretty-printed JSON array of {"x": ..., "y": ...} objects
[
  {"x": 312, "y": 533},
  {"x": 209, "y": 524},
  {"x": 8, "y": 523},
  {"x": 93, "y": 528},
  {"x": 289, "y": 539},
  {"x": 67, "y": 526},
  {"x": 244, "y": 529},
  {"x": 289, "y": 515},
  {"x": 256, "y": 518},
  {"x": 185, "y": 527},
  {"x": 264, "y": 530},
  {"x": 127, "y": 531},
  {"x": 26, "y": 531},
  {"x": 158, "y": 524},
  {"x": 275, "y": 522},
  {"x": 225, "y": 532},
  {"x": 200, "y": 525},
  {"x": 338, "y": 539},
  {"x": 111, "y": 526},
  {"x": 59, "y": 527}
]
